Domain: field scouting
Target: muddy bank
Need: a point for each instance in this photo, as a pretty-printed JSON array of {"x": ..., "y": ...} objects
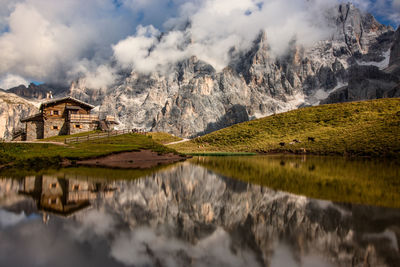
[{"x": 133, "y": 160}]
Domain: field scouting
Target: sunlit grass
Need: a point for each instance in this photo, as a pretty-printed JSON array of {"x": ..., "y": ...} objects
[{"x": 163, "y": 138}]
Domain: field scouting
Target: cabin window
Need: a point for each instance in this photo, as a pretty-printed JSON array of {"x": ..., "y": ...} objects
[
  {"x": 56, "y": 112},
  {"x": 52, "y": 201},
  {"x": 75, "y": 187},
  {"x": 78, "y": 126},
  {"x": 55, "y": 127},
  {"x": 53, "y": 185}
]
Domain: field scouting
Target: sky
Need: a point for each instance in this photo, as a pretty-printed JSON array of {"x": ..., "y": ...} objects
[{"x": 60, "y": 41}]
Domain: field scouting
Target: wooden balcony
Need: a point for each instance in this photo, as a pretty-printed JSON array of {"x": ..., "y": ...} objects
[{"x": 83, "y": 118}]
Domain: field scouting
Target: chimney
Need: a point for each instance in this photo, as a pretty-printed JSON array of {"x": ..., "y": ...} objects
[{"x": 49, "y": 95}]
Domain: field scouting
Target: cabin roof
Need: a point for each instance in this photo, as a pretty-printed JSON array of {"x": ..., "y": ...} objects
[
  {"x": 59, "y": 100},
  {"x": 35, "y": 117}
]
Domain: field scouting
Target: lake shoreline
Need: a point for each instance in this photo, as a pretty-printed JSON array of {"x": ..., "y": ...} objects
[{"x": 143, "y": 159}]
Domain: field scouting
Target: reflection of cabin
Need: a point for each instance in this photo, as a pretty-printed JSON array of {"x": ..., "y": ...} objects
[
  {"x": 64, "y": 116},
  {"x": 63, "y": 196}
]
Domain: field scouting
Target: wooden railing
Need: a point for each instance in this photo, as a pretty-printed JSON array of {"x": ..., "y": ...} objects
[
  {"x": 88, "y": 118},
  {"x": 100, "y": 135}
]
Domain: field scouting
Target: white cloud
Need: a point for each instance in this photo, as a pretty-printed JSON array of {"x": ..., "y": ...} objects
[
  {"x": 217, "y": 26},
  {"x": 95, "y": 222},
  {"x": 10, "y": 80},
  {"x": 46, "y": 39}
]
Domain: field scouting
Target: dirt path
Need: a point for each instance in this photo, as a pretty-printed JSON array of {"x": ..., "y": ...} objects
[{"x": 178, "y": 142}]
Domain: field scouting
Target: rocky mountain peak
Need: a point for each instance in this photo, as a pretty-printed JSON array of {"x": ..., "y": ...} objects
[
  {"x": 357, "y": 29},
  {"x": 37, "y": 92},
  {"x": 193, "y": 67}
]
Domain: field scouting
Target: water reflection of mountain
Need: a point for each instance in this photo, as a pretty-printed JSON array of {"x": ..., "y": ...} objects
[{"x": 188, "y": 215}]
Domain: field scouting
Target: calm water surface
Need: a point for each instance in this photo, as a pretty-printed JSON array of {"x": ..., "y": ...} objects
[{"x": 236, "y": 211}]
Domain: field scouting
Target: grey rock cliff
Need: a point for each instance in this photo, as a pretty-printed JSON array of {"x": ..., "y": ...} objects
[
  {"x": 12, "y": 109},
  {"x": 369, "y": 82}
]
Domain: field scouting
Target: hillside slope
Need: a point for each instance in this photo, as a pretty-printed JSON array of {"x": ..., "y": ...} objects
[{"x": 367, "y": 128}]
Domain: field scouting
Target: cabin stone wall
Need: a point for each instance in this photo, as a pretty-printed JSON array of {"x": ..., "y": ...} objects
[
  {"x": 54, "y": 127},
  {"x": 80, "y": 127},
  {"x": 34, "y": 130}
]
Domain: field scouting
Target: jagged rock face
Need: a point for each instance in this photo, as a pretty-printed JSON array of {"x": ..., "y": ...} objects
[
  {"x": 193, "y": 98},
  {"x": 358, "y": 30},
  {"x": 369, "y": 82},
  {"x": 12, "y": 109},
  {"x": 366, "y": 82}
]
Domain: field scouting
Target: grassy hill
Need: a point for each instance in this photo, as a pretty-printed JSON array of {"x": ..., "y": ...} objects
[{"x": 366, "y": 128}]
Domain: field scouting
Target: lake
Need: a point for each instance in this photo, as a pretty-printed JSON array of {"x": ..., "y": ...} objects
[{"x": 207, "y": 211}]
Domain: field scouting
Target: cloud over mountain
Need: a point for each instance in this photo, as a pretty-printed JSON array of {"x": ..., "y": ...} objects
[{"x": 58, "y": 41}]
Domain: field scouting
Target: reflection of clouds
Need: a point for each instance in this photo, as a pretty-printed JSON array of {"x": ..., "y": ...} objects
[
  {"x": 145, "y": 246},
  {"x": 35, "y": 244},
  {"x": 94, "y": 222},
  {"x": 283, "y": 256},
  {"x": 10, "y": 219}
]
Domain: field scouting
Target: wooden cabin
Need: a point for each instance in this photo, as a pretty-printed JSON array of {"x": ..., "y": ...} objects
[{"x": 64, "y": 116}]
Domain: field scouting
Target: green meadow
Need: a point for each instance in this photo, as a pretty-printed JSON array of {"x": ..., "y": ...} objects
[
  {"x": 38, "y": 155},
  {"x": 367, "y": 128}
]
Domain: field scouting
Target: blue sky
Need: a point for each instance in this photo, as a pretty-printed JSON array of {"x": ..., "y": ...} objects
[{"x": 385, "y": 11}]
